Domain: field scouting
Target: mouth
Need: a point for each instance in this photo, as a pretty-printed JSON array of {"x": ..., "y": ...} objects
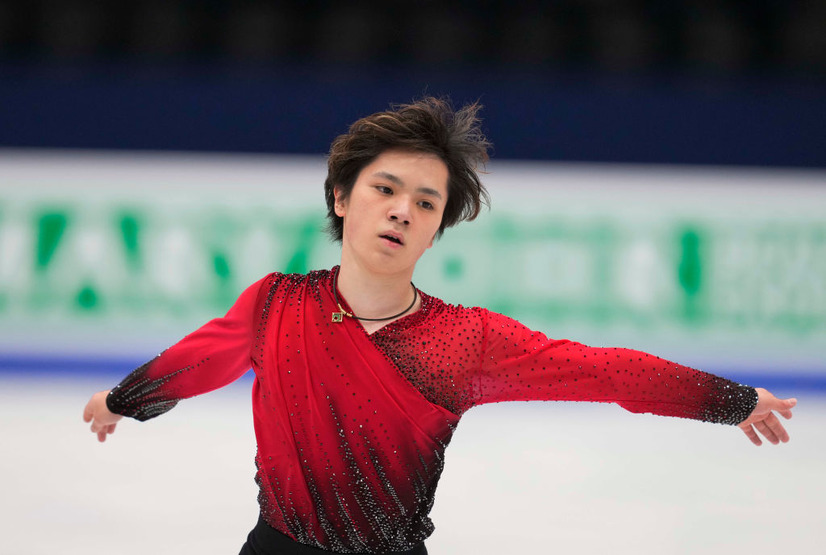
[{"x": 392, "y": 238}]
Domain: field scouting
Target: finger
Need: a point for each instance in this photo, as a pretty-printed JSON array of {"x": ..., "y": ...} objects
[
  {"x": 97, "y": 426},
  {"x": 767, "y": 432},
  {"x": 751, "y": 434},
  {"x": 777, "y": 428},
  {"x": 87, "y": 412},
  {"x": 787, "y": 411},
  {"x": 105, "y": 431},
  {"x": 781, "y": 404}
]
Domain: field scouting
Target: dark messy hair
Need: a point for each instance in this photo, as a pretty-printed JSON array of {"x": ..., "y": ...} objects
[{"x": 429, "y": 125}]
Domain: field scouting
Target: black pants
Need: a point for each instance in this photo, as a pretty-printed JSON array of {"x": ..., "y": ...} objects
[{"x": 266, "y": 540}]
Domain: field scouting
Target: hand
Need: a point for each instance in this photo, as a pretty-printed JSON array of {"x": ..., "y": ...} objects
[
  {"x": 103, "y": 420},
  {"x": 762, "y": 419}
]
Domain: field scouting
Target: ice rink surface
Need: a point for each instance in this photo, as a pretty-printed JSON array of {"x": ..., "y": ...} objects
[{"x": 570, "y": 478}]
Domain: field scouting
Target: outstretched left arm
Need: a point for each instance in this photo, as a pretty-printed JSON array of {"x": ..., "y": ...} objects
[{"x": 764, "y": 420}]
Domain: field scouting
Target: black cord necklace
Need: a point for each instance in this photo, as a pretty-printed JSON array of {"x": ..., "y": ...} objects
[{"x": 339, "y": 316}]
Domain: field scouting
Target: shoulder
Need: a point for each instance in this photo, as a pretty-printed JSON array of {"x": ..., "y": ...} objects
[
  {"x": 313, "y": 278},
  {"x": 279, "y": 284},
  {"x": 454, "y": 315},
  {"x": 460, "y": 311},
  {"x": 486, "y": 321}
]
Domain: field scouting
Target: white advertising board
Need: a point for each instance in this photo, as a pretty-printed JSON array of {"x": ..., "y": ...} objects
[{"x": 119, "y": 254}]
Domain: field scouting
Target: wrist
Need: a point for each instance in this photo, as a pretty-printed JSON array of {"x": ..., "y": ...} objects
[{"x": 110, "y": 403}]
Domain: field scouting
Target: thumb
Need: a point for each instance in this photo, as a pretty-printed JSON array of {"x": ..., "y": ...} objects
[
  {"x": 767, "y": 403},
  {"x": 88, "y": 412},
  {"x": 786, "y": 409}
]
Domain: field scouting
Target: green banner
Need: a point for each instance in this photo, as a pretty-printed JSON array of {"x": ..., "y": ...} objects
[{"x": 133, "y": 250}]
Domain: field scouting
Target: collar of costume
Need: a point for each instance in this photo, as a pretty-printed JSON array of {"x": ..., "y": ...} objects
[{"x": 339, "y": 316}]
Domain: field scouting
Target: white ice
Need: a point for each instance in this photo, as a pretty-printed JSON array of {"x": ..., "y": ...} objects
[{"x": 568, "y": 478}]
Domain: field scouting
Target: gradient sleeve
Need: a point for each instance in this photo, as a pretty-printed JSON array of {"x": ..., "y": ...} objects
[
  {"x": 520, "y": 364},
  {"x": 211, "y": 357}
]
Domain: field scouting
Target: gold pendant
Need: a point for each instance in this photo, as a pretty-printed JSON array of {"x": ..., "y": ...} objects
[{"x": 338, "y": 316}]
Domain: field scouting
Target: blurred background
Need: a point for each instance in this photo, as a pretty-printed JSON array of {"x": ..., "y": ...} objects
[
  {"x": 658, "y": 182},
  {"x": 712, "y": 82}
]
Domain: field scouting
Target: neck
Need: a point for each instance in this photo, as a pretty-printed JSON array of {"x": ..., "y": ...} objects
[{"x": 373, "y": 295}]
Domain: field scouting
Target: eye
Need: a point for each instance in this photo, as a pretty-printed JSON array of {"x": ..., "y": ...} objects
[
  {"x": 427, "y": 205},
  {"x": 384, "y": 189}
]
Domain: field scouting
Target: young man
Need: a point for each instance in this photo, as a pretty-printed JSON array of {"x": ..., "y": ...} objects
[{"x": 361, "y": 378}]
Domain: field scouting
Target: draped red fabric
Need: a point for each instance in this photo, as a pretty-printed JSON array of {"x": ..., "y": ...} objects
[
  {"x": 354, "y": 452},
  {"x": 352, "y": 428}
]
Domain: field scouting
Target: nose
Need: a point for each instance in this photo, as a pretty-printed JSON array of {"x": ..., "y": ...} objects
[{"x": 400, "y": 212}]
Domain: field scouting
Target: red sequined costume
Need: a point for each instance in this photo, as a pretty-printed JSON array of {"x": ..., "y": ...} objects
[{"x": 352, "y": 428}]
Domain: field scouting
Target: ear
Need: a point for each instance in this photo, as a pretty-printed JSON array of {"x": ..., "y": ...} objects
[{"x": 341, "y": 202}]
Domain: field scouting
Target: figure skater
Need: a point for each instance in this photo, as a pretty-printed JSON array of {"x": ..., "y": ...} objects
[{"x": 361, "y": 378}]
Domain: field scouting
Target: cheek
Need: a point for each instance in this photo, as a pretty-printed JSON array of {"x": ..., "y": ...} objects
[
  {"x": 440, "y": 220},
  {"x": 351, "y": 225}
]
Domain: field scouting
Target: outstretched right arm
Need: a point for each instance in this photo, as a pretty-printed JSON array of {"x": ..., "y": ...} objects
[{"x": 213, "y": 356}]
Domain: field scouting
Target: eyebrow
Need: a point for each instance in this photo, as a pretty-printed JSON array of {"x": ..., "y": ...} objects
[{"x": 395, "y": 179}]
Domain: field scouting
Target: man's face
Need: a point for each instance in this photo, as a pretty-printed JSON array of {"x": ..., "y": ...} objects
[{"x": 394, "y": 211}]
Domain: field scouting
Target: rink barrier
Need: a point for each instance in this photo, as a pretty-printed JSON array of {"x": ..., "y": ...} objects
[{"x": 125, "y": 253}]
